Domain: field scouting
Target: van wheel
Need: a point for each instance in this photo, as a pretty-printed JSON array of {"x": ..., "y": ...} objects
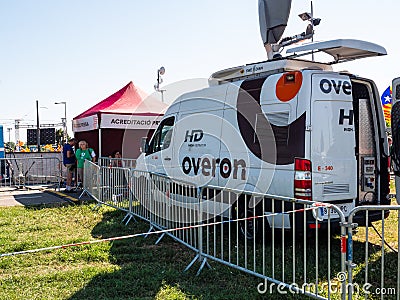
[{"x": 250, "y": 228}]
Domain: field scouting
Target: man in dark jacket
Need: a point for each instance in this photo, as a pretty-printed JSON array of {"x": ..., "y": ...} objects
[{"x": 69, "y": 161}]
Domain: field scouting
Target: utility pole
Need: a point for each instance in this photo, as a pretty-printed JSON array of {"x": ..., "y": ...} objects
[
  {"x": 64, "y": 120},
  {"x": 9, "y": 134},
  {"x": 17, "y": 125}
]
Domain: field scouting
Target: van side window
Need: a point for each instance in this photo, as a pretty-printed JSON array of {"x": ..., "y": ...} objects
[{"x": 162, "y": 138}]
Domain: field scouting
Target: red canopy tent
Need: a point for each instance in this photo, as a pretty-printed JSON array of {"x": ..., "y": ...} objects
[{"x": 119, "y": 122}]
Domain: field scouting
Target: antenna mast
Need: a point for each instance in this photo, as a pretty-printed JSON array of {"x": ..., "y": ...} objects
[{"x": 273, "y": 17}]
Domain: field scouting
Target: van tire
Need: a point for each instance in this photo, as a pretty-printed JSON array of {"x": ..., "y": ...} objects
[{"x": 249, "y": 229}]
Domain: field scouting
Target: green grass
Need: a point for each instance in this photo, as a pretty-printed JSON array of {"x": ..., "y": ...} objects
[
  {"x": 374, "y": 248},
  {"x": 127, "y": 269},
  {"x": 132, "y": 268}
]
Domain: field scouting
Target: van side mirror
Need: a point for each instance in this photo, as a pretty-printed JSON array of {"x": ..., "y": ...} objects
[{"x": 144, "y": 145}]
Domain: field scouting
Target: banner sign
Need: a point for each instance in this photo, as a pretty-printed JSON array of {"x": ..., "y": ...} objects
[
  {"x": 386, "y": 100},
  {"x": 129, "y": 121},
  {"x": 85, "y": 124}
]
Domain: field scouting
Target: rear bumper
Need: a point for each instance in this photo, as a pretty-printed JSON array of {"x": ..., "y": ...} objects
[{"x": 361, "y": 219}]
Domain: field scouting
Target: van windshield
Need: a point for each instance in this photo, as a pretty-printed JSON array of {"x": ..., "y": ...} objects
[{"x": 162, "y": 138}]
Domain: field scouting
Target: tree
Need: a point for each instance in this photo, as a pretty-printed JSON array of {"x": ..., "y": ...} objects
[
  {"x": 10, "y": 146},
  {"x": 59, "y": 136}
]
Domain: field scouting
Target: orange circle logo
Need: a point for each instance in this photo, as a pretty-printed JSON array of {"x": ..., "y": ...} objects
[{"x": 288, "y": 86}]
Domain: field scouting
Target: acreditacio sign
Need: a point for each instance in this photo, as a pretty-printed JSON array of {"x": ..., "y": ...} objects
[{"x": 129, "y": 121}]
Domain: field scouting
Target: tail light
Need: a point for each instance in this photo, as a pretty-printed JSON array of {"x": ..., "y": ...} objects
[{"x": 302, "y": 179}]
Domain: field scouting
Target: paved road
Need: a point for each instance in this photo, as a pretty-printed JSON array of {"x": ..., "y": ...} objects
[{"x": 36, "y": 196}]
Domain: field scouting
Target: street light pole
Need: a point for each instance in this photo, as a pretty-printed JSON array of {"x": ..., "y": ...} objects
[
  {"x": 64, "y": 121},
  {"x": 37, "y": 127},
  {"x": 160, "y": 71},
  {"x": 9, "y": 134}
]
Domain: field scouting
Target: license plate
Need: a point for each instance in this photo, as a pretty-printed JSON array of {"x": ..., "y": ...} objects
[
  {"x": 323, "y": 213},
  {"x": 345, "y": 208}
]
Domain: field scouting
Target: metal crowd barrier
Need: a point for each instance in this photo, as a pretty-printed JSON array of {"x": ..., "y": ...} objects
[
  {"x": 91, "y": 179},
  {"x": 369, "y": 258},
  {"x": 167, "y": 204},
  {"x": 303, "y": 246},
  {"x": 228, "y": 227},
  {"x": 129, "y": 163},
  {"x": 30, "y": 171},
  {"x": 285, "y": 242},
  {"x": 146, "y": 196},
  {"x": 108, "y": 186},
  {"x": 114, "y": 189},
  {"x": 6, "y": 173}
]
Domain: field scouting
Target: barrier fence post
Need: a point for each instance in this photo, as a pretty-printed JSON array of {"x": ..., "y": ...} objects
[
  {"x": 345, "y": 240},
  {"x": 199, "y": 255},
  {"x": 90, "y": 180},
  {"x": 85, "y": 182},
  {"x": 127, "y": 174},
  {"x": 200, "y": 230}
]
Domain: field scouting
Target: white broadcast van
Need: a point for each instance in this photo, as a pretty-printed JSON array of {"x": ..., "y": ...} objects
[{"x": 286, "y": 127}]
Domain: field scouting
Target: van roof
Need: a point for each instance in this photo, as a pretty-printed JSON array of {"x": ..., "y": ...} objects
[
  {"x": 340, "y": 49},
  {"x": 264, "y": 68}
]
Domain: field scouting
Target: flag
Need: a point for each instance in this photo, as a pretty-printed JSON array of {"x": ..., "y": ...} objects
[{"x": 386, "y": 100}]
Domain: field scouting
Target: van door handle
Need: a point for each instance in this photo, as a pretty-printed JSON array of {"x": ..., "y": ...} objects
[{"x": 167, "y": 158}]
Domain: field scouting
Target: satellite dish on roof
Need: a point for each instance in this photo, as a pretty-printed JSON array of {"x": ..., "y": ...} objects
[{"x": 273, "y": 17}]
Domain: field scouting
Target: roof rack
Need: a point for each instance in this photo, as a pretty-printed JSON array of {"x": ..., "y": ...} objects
[
  {"x": 341, "y": 50},
  {"x": 264, "y": 68}
]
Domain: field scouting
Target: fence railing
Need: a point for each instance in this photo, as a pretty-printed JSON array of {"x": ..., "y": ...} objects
[
  {"x": 29, "y": 171},
  {"x": 91, "y": 179},
  {"x": 376, "y": 261},
  {"x": 114, "y": 189},
  {"x": 285, "y": 242},
  {"x": 129, "y": 163},
  {"x": 304, "y": 246},
  {"x": 166, "y": 204}
]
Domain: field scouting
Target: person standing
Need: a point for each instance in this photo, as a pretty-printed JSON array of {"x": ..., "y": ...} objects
[
  {"x": 117, "y": 162},
  {"x": 82, "y": 154},
  {"x": 69, "y": 161}
]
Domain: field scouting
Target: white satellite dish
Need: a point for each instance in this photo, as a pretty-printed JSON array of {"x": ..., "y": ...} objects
[{"x": 273, "y": 18}]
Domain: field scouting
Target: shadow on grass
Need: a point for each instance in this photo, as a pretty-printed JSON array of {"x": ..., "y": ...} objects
[
  {"x": 370, "y": 276},
  {"x": 146, "y": 271},
  {"x": 53, "y": 204}
]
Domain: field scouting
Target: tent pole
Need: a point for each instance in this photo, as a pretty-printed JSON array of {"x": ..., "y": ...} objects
[{"x": 99, "y": 142}]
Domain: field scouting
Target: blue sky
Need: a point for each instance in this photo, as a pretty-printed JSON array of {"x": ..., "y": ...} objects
[{"x": 83, "y": 51}]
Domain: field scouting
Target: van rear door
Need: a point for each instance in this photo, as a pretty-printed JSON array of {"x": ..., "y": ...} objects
[
  {"x": 371, "y": 144},
  {"x": 333, "y": 158}
]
